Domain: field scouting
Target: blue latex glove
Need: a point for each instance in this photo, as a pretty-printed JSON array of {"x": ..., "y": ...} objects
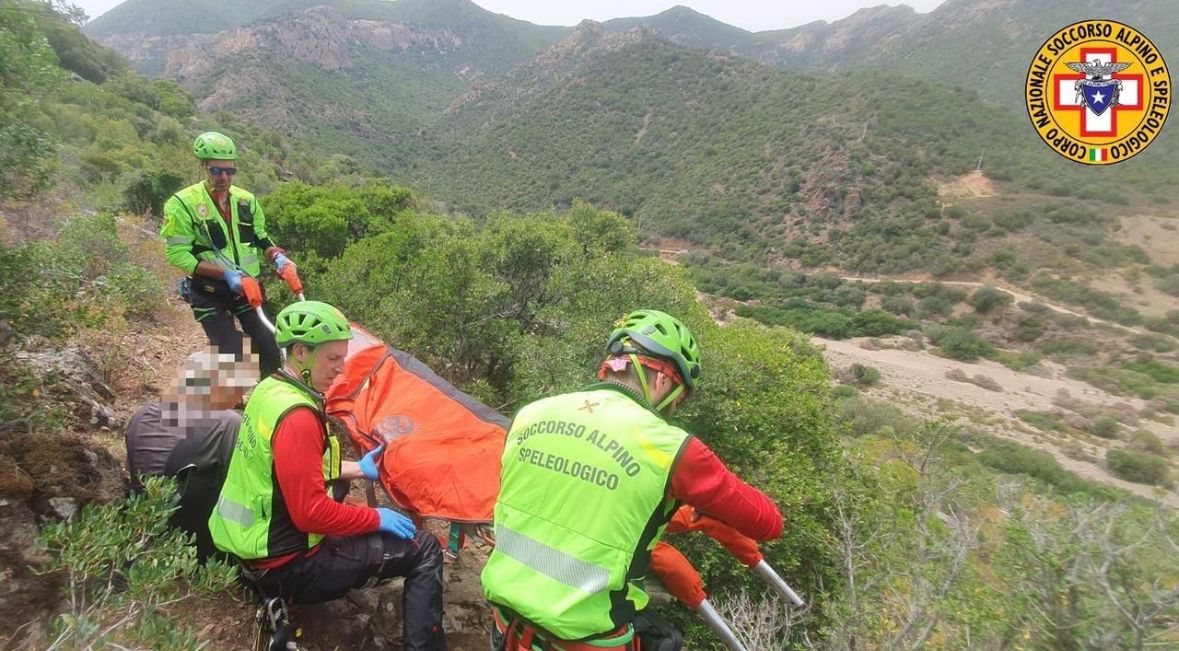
[
  {"x": 280, "y": 261},
  {"x": 395, "y": 523},
  {"x": 368, "y": 463},
  {"x": 234, "y": 278}
]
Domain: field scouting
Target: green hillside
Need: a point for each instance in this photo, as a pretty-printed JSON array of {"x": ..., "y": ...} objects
[
  {"x": 182, "y": 17},
  {"x": 751, "y": 162}
]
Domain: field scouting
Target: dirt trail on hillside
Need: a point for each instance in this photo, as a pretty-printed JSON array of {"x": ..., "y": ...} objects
[
  {"x": 1020, "y": 296},
  {"x": 916, "y": 382}
]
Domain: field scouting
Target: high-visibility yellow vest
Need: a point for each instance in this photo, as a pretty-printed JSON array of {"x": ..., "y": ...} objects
[
  {"x": 250, "y": 520},
  {"x": 584, "y": 497},
  {"x": 194, "y": 231}
]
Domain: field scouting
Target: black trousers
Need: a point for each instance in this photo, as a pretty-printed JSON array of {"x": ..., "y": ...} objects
[
  {"x": 215, "y": 305},
  {"x": 342, "y": 564}
]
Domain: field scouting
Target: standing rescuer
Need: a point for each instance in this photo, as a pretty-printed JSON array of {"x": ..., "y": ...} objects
[
  {"x": 216, "y": 233},
  {"x": 275, "y": 512},
  {"x": 590, "y": 480}
]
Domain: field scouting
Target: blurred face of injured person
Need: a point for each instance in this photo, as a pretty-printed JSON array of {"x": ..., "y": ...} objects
[{"x": 210, "y": 381}]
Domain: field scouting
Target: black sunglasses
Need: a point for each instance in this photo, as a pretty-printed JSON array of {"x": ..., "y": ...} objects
[{"x": 216, "y": 171}]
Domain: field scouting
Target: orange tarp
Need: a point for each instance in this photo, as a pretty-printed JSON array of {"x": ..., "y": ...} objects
[{"x": 443, "y": 448}]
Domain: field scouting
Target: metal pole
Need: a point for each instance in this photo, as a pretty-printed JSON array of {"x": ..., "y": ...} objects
[
  {"x": 766, "y": 572},
  {"x": 720, "y": 626},
  {"x": 265, "y": 321}
]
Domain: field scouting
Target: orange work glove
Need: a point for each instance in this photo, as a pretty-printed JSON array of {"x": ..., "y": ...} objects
[
  {"x": 677, "y": 574},
  {"x": 252, "y": 291},
  {"x": 745, "y": 549},
  {"x": 288, "y": 272}
]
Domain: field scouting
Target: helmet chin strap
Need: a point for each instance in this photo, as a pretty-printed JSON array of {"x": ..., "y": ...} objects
[
  {"x": 305, "y": 369},
  {"x": 642, "y": 373}
]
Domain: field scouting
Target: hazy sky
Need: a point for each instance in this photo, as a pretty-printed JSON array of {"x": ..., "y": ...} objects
[{"x": 754, "y": 15}]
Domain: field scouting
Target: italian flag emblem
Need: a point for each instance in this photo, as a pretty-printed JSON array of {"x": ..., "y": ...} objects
[{"x": 1099, "y": 155}]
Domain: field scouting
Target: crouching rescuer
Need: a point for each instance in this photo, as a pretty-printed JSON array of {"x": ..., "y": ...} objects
[
  {"x": 590, "y": 480},
  {"x": 276, "y": 512},
  {"x": 215, "y": 232}
]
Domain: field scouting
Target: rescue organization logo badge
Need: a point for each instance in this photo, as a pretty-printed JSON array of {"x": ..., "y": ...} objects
[{"x": 1098, "y": 92}]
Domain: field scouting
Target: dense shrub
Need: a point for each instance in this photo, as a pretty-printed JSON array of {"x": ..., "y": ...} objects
[
  {"x": 1138, "y": 467},
  {"x": 1105, "y": 427},
  {"x": 123, "y": 563},
  {"x": 865, "y": 375},
  {"x": 934, "y": 306},
  {"x": 989, "y": 298},
  {"x": 1169, "y": 284},
  {"x": 1009, "y": 457},
  {"x": 960, "y": 344},
  {"x": 1146, "y": 441},
  {"x": 901, "y": 305}
]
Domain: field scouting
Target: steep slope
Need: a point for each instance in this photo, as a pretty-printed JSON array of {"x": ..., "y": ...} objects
[{"x": 356, "y": 74}]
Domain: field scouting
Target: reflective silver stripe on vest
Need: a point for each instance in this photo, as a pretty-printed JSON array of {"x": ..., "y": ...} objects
[
  {"x": 249, "y": 259},
  {"x": 179, "y": 239},
  {"x": 234, "y": 512},
  {"x": 553, "y": 563}
]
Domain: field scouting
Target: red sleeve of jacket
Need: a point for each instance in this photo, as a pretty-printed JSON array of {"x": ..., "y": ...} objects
[
  {"x": 704, "y": 481},
  {"x": 298, "y": 465}
]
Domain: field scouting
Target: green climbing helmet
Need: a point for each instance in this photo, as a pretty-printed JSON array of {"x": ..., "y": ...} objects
[
  {"x": 311, "y": 323},
  {"x": 211, "y": 145},
  {"x": 661, "y": 335}
]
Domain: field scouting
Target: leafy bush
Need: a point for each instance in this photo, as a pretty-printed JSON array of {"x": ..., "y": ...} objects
[
  {"x": 1101, "y": 304},
  {"x": 1169, "y": 284},
  {"x": 145, "y": 191},
  {"x": 326, "y": 219},
  {"x": 865, "y": 375},
  {"x": 1118, "y": 380},
  {"x": 1013, "y": 458},
  {"x": 27, "y": 160},
  {"x": 1157, "y": 343},
  {"x": 1105, "y": 427},
  {"x": 1138, "y": 467},
  {"x": 934, "y": 306},
  {"x": 1158, "y": 371},
  {"x": 1069, "y": 346},
  {"x": 902, "y": 305},
  {"x": 878, "y": 323},
  {"x": 833, "y": 324},
  {"x": 1045, "y": 420},
  {"x": 1146, "y": 441},
  {"x": 859, "y": 416},
  {"x": 1017, "y": 361},
  {"x": 988, "y": 298},
  {"x": 844, "y": 391},
  {"x": 960, "y": 344},
  {"x": 127, "y": 571}
]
